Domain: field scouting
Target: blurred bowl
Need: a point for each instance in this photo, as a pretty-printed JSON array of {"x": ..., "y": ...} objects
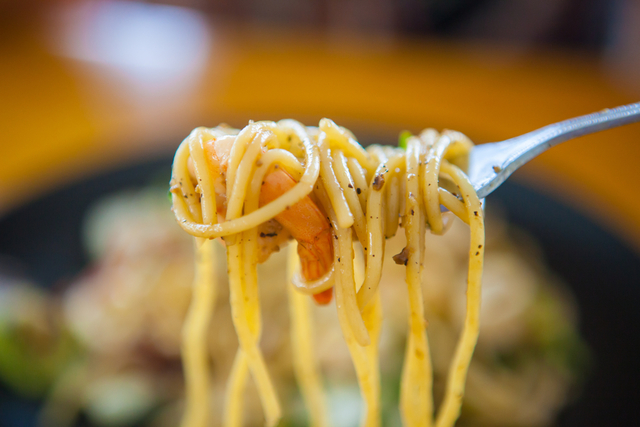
[{"x": 42, "y": 240}]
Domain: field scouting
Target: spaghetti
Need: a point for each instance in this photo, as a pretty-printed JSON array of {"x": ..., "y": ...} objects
[{"x": 269, "y": 182}]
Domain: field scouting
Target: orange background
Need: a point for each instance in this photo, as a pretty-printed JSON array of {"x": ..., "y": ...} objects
[{"x": 62, "y": 118}]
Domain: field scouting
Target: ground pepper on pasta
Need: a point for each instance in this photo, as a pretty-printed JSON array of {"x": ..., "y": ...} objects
[
  {"x": 118, "y": 358},
  {"x": 270, "y": 182}
]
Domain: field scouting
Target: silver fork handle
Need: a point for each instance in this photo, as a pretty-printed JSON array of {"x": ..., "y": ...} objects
[{"x": 494, "y": 163}]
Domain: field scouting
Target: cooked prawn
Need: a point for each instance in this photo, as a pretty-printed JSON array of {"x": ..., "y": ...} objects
[{"x": 304, "y": 221}]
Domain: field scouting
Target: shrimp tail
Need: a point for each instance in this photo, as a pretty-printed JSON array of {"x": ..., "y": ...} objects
[{"x": 324, "y": 297}]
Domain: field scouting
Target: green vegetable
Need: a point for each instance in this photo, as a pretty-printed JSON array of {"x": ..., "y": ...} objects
[
  {"x": 403, "y": 138},
  {"x": 34, "y": 344},
  {"x": 557, "y": 337}
]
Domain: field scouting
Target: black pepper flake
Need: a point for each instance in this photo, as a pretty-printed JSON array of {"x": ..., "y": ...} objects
[
  {"x": 402, "y": 257},
  {"x": 479, "y": 246},
  {"x": 358, "y": 190},
  {"x": 378, "y": 182},
  {"x": 477, "y": 253},
  {"x": 276, "y": 167},
  {"x": 289, "y": 138},
  {"x": 412, "y": 212},
  {"x": 268, "y": 234},
  {"x": 475, "y": 213},
  {"x": 350, "y": 186},
  {"x": 338, "y": 259},
  {"x": 335, "y": 236}
]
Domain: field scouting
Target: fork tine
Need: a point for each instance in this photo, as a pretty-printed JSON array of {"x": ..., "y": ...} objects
[{"x": 491, "y": 164}]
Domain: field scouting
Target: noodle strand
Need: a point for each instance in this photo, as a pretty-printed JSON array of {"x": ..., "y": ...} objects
[{"x": 365, "y": 195}]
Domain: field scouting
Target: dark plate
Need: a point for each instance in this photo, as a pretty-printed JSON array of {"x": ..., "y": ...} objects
[{"x": 42, "y": 238}]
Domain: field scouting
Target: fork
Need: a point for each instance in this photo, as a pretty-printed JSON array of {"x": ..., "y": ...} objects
[{"x": 491, "y": 164}]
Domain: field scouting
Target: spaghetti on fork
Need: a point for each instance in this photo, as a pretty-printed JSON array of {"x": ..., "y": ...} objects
[{"x": 272, "y": 182}]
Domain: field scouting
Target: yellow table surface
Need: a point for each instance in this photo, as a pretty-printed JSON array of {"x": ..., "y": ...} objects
[{"x": 63, "y": 119}]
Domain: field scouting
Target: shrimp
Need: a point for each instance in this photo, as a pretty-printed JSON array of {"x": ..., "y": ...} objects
[{"x": 304, "y": 221}]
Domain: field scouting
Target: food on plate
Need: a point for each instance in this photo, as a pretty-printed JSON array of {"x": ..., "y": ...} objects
[{"x": 117, "y": 328}]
